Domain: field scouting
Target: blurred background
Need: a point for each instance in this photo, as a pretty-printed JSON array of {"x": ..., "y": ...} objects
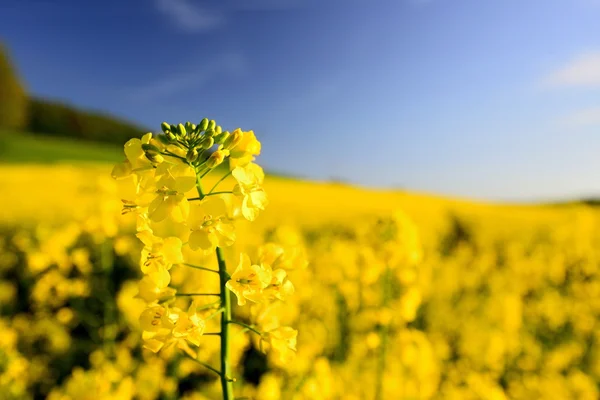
[
  {"x": 476, "y": 120},
  {"x": 495, "y": 100}
]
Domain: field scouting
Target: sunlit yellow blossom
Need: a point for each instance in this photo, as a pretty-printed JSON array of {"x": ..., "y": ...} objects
[
  {"x": 249, "y": 187},
  {"x": 266, "y": 316},
  {"x": 278, "y": 256},
  {"x": 177, "y": 177},
  {"x": 156, "y": 287},
  {"x": 122, "y": 170},
  {"x": 135, "y": 154},
  {"x": 136, "y": 192},
  {"x": 249, "y": 280},
  {"x": 190, "y": 326},
  {"x": 282, "y": 343},
  {"x": 210, "y": 226},
  {"x": 246, "y": 148},
  {"x": 159, "y": 252},
  {"x": 157, "y": 323},
  {"x": 169, "y": 205},
  {"x": 279, "y": 288},
  {"x": 156, "y": 319},
  {"x": 136, "y": 161}
]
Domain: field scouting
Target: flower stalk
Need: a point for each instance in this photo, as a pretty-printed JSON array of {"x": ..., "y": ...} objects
[
  {"x": 202, "y": 268},
  {"x": 226, "y": 384}
]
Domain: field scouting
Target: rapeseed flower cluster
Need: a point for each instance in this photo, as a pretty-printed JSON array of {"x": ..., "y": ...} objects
[{"x": 156, "y": 181}]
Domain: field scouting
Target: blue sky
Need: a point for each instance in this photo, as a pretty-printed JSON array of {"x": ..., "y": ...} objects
[{"x": 494, "y": 99}]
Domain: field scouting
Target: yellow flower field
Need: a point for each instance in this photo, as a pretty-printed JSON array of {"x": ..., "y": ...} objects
[{"x": 397, "y": 296}]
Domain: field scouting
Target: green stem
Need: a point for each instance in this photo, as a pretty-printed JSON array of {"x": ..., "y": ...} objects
[
  {"x": 208, "y": 306},
  {"x": 220, "y": 310},
  {"x": 226, "y": 381},
  {"x": 219, "y": 181},
  {"x": 216, "y": 371},
  {"x": 199, "y": 187},
  {"x": 215, "y": 193},
  {"x": 205, "y": 173},
  {"x": 199, "y": 267},
  {"x": 169, "y": 154},
  {"x": 249, "y": 327},
  {"x": 196, "y": 294},
  {"x": 225, "y": 317}
]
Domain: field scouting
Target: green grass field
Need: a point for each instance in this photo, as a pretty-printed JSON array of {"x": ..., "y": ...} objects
[
  {"x": 19, "y": 147},
  {"x": 23, "y": 148}
]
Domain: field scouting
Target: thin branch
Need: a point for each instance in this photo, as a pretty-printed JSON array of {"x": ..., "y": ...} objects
[
  {"x": 215, "y": 193},
  {"x": 169, "y": 154},
  {"x": 208, "y": 306},
  {"x": 216, "y": 371},
  {"x": 199, "y": 187},
  {"x": 206, "y": 173},
  {"x": 249, "y": 327},
  {"x": 219, "y": 311},
  {"x": 219, "y": 181},
  {"x": 199, "y": 267}
]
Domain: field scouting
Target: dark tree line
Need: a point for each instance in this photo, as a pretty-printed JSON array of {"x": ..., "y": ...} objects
[{"x": 20, "y": 112}]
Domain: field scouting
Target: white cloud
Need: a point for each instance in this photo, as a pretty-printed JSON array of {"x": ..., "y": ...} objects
[
  {"x": 194, "y": 16},
  {"x": 582, "y": 118},
  {"x": 228, "y": 65},
  {"x": 189, "y": 16},
  {"x": 261, "y": 5},
  {"x": 583, "y": 70}
]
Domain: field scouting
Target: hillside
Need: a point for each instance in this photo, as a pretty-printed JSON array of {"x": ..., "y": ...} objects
[{"x": 20, "y": 147}]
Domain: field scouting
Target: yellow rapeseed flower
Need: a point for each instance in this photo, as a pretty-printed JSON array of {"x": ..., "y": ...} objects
[{"x": 249, "y": 280}]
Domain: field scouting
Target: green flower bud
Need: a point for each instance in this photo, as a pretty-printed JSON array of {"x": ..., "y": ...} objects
[
  {"x": 207, "y": 142},
  {"x": 211, "y": 125},
  {"x": 218, "y": 129},
  {"x": 171, "y": 136},
  {"x": 152, "y": 153},
  {"x": 203, "y": 124},
  {"x": 188, "y": 126},
  {"x": 193, "y": 127},
  {"x": 150, "y": 147},
  {"x": 155, "y": 158},
  {"x": 209, "y": 132},
  {"x": 192, "y": 155},
  {"x": 173, "y": 129},
  {"x": 164, "y": 139},
  {"x": 221, "y": 137},
  {"x": 216, "y": 158},
  {"x": 165, "y": 127},
  {"x": 181, "y": 130}
]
